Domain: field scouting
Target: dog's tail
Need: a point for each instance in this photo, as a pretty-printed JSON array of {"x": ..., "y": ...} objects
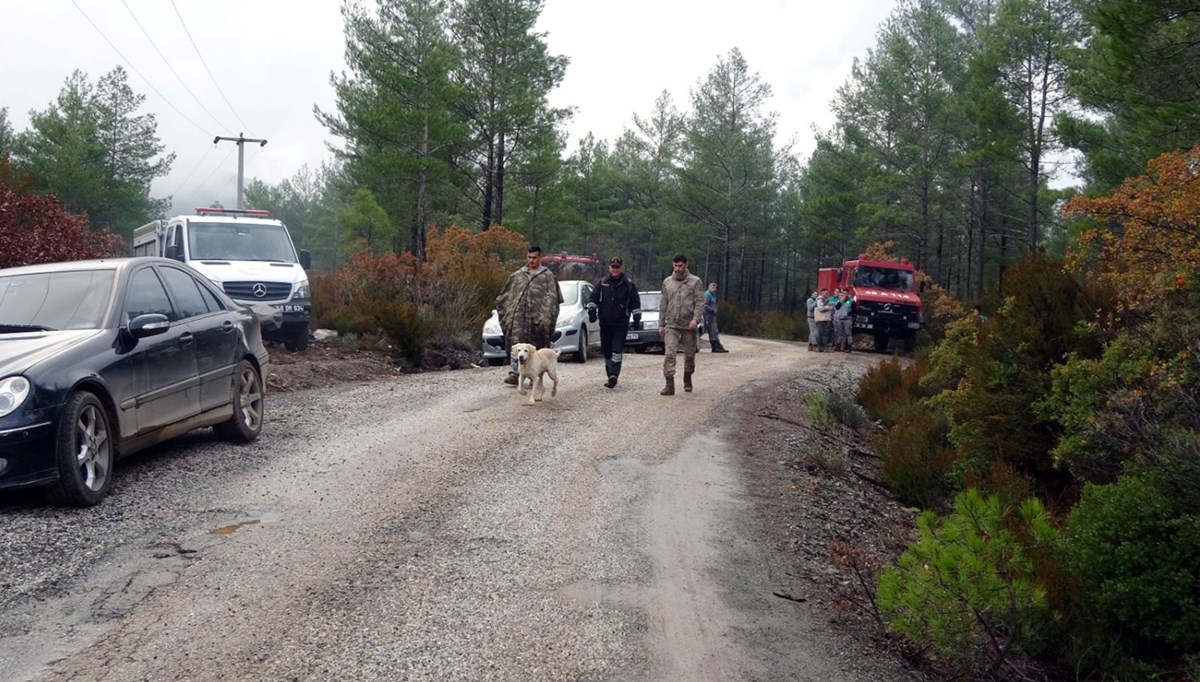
[{"x": 557, "y": 351}]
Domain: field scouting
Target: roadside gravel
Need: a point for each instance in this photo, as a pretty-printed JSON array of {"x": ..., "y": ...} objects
[{"x": 429, "y": 526}]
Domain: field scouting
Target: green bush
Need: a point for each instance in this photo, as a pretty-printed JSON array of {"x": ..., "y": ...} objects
[
  {"x": 917, "y": 459},
  {"x": 734, "y": 319},
  {"x": 1136, "y": 404},
  {"x": 407, "y": 326},
  {"x": 818, "y": 409},
  {"x": 845, "y": 411},
  {"x": 772, "y": 324},
  {"x": 967, "y": 587},
  {"x": 778, "y": 325},
  {"x": 1138, "y": 561}
]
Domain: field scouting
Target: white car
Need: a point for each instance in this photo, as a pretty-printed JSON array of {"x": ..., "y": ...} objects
[{"x": 575, "y": 334}]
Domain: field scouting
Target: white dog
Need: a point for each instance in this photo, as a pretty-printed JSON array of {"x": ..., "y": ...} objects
[{"x": 533, "y": 363}]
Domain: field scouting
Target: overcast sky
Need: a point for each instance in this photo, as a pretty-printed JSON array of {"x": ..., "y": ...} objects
[{"x": 272, "y": 59}]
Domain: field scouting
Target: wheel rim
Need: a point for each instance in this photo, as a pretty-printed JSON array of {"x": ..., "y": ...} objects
[
  {"x": 250, "y": 400},
  {"x": 93, "y": 448}
]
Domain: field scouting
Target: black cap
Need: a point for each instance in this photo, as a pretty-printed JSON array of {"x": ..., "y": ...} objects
[{"x": 616, "y": 260}]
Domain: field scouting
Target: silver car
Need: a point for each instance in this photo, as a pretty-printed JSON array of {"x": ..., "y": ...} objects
[
  {"x": 644, "y": 337},
  {"x": 575, "y": 334}
]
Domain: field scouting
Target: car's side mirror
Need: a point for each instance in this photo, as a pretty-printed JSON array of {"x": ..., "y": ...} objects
[
  {"x": 172, "y": 252},
  {"x": 306, "y": 259},
  {"x": 150, "y": 324}
]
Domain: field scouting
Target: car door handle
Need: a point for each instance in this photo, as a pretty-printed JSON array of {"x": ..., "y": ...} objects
[
  {"x": 227, "y": 327},
  {"x": 186, "y": 339}
]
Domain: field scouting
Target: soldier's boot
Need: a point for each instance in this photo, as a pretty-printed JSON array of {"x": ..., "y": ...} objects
[
  {"x": 669, "y": 389},
  {"x": 687, "y": 382}
]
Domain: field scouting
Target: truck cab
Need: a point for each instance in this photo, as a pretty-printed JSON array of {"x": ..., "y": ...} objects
[
  {"x": 247, "y": 253},
  {"x": 886, "y": 301}
]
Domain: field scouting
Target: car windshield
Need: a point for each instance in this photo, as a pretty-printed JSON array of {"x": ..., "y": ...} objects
[
  {"x": 884, "y": 278},
  {"x": 570, "y": 292},
  {"x": 650, "y": 301},
  {"x": 240, "y": 241},
  {"x": 54, "y": 300}
]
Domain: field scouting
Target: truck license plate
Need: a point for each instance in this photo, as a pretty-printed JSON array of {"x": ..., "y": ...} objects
[
  {"x": 631, "y": 336},
  {"x": 289, "y": 308}
]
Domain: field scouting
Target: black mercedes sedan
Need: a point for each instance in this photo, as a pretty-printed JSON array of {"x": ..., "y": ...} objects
[{"x": 101, "y": 358}]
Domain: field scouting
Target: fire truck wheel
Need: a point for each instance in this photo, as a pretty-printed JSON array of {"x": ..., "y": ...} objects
[{"x": 881, "y": 343}]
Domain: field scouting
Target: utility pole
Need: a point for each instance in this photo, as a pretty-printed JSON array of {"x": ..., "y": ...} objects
[{"x": 240, "y": 140}]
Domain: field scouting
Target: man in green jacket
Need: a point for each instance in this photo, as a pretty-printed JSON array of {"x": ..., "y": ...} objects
[
  {"x": 528, "y": 307},
  {"x": 679, "y": 316}
]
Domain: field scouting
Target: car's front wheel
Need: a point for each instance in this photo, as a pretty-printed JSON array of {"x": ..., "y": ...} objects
[
  {"x": 581, "y": 354},
  {"x": 83, "y": 452},
  {"x": 247, "y": 420}
]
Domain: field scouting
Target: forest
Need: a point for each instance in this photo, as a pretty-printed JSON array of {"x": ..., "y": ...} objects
[{"x": 1054, "y": 441}]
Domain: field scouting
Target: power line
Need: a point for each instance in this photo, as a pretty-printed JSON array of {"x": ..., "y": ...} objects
[
  {"x": 204, "y": 182},
  {"x": 134, "y": 68},
  {"x": 176, "y": 74},
  {"x": 206, "y": 69},
  {"x": 194, "y": 169}
]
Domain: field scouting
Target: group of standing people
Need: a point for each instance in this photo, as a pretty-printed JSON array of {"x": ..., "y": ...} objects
[
  {"x": 830, "y": 321},
  {"x": 528, "y": 311}
]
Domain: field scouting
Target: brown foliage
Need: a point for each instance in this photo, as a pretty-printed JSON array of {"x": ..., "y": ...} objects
[
  {"x": 36, "y": 229},
  {"x": 441, "y": 302},
  {"x": 885, "y": 389},
  {"x": 1146, "y": 233}
]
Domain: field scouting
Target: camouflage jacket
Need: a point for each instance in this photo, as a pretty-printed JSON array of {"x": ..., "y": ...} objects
[{"x": 528, "y": 306}]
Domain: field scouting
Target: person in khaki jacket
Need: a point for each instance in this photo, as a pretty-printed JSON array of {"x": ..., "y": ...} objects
[
  {"x": 528, "y": 307},
  {"x": 679, "y": 316}
]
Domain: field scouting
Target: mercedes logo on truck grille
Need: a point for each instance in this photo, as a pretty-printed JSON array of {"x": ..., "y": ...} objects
[{"x": 259, "y": 289}]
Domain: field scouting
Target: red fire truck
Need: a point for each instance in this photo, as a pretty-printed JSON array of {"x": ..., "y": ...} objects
[
  {"x": 885, "y": 297},
  {"x": 566, "y": 267}
]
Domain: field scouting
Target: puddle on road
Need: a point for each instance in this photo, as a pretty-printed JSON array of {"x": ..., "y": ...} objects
[{"x": 231, "y": 529}]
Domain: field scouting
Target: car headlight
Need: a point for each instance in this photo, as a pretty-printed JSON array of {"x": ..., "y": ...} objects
[
  {"x": 565, "y": 320},
  {"x": 649, "y": 324},
  {"x": 301, "y": 290},
  {"x": 13, "y": 391},
  {"x": 492, "y": 326}
]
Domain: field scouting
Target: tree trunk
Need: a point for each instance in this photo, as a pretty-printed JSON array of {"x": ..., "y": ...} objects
[
  {"x": 422, "y": 214},
  {"x": 499, "y": 163},
  {"x": 488, "y": 175}
]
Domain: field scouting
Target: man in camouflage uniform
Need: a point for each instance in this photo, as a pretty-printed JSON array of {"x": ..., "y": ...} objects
[
  {"x": 528, "y": 307},
  {"x": 679, "y": 316}
]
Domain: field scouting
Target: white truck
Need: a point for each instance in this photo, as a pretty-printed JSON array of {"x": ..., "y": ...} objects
[{"x": 248, "y": 254}]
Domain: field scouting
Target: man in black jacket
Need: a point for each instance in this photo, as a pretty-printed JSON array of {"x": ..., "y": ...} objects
[{"x": 614, "y": 300}]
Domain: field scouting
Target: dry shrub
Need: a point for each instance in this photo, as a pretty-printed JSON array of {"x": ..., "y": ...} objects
[
  {"x": 439, "y": 303},
  {"x": 887, "y": 388},
  {"x": 917, "y": 459},
  {"x": 1003, "y": 480}
]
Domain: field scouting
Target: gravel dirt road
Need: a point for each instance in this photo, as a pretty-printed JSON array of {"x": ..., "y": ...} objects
[{"x": 432, "y": 526}]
